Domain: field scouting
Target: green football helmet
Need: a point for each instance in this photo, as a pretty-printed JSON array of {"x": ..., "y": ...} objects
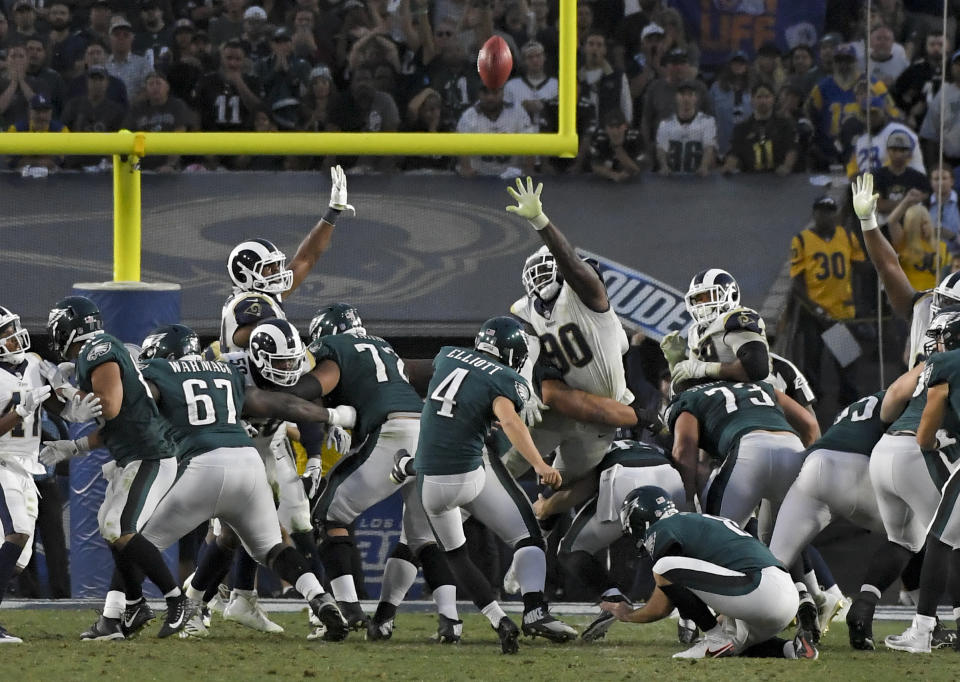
[
  {"x": 71, "y": 320},
  {"x": 170, "y": 342},
  {"x": 642, "y": 507},
  {"x": 335, "y": 319},
  {"x": 503, "y": 338}
]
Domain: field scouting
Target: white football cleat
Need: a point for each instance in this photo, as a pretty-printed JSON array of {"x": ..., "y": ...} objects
[
  {"x": 711, "y": 646},
  {"x": 246, "y": 610},
  {"x": 913, "y": 640},
  {"x": 828, "y": 606}
]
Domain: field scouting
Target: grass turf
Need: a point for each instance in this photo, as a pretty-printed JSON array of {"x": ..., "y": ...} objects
[{"x": 52, "y": 651}]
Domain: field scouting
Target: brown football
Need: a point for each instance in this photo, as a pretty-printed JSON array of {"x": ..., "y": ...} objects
[{"x": 494, "y": 62}]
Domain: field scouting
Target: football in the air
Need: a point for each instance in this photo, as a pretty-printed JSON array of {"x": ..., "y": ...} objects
[{"x": 494, "y": 62}]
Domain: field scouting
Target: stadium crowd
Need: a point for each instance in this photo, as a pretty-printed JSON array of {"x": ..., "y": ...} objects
[{"x": 645, "y": 100}]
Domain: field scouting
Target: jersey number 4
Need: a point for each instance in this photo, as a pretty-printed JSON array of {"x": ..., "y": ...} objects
[{"x": 446, "y": 391}]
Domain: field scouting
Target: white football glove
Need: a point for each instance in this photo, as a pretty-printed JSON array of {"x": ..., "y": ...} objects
[
  {"x": 339, "y": 439},
  {"x": 338, "y": 191},
  {"x": 674, "y": 349},
  {"x": 59, "y": 450},
  {"x": 82, "y": 409},
  {"x": 528, "y": 203},
  {"x": 401, "y": 466},
  {"x": 531, "y": 411},
  {"x": 312, "y": 478},
  {"x": 865, "y": 201},
  {"x": 31, "y": 399},
  {"x": 342, "y": 415},
  {"x": 694, "y": 369}
]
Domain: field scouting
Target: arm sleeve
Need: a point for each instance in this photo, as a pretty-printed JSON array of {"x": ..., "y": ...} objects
[{"x": 755, "y": 358}]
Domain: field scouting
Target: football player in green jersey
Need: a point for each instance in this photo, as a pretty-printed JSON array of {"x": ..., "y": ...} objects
[
  {"x": 939, "y": 422},
  {"x": 221, "y": 474},
  {"x": 142, "y": 469},
  {"x": 627, "y": 465},
  {"x": 470, "y": 389},
  {"x": 703, "y": 561}
]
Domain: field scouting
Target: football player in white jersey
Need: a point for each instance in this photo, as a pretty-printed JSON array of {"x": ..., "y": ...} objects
[
  {"x": 918, "y": 307},
  {"x": 725, "y": 341},
  {"x": 24, "y": 386},
  {"x": 566, "y": 307}
]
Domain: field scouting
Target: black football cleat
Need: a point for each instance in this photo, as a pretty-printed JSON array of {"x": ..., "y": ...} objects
[
  {"x": 135, "y": 617},
  {"x": 179, "y": 611},
  {"x": 808, "y": 620},
  {"x": 353, "y": 613},
  {"x": 103, "y": 629},
  {"x": 509, "y": 634},
  {"x": 332, "y": 621},
  {"x": 860, "y": 625}
]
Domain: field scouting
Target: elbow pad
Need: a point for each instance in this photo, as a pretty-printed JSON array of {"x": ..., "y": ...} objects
[{"x": 755, "y": 359}]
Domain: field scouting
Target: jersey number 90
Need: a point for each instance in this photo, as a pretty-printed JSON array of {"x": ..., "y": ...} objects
[{"x": 568, "y": 347}]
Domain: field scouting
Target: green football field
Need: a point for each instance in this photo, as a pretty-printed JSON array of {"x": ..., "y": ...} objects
[{"x": 52, "y": 651}]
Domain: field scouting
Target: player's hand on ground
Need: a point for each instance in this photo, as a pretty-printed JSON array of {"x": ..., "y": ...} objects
[
  {"x": 865, "y": 201},
  {"x": 620, "y": 609},
  {"x": 528, "y": 203},
  {"x": 82, "y": 409},
  {"x": 338, "y": 191},
  {"x": 549, "y": 476},
  {"x": 674, "y": 348},
  {"x": 59, "y": 450},
  {"x": 31, "y": 399}
]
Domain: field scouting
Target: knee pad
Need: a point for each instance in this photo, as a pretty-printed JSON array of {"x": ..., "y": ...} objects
[{"x": 403, "y": 552}]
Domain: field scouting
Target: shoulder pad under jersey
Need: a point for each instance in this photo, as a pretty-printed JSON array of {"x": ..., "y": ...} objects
[{"x": 743, "y": 319}]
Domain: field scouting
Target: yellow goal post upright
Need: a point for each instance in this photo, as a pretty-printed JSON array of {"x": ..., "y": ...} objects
[{"x": 127, "y": 147}]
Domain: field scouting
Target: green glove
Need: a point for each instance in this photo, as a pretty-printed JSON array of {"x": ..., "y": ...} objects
[
  {"x": 674, "y": 349},
  {"x": 528, "y": 203}
]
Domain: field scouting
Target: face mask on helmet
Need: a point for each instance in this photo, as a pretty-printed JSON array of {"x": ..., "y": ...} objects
[
  {"x": 541, "y": 277},
  {"x": 642, "y": 507},
  {"x": 711, "y": 293},
  {"x": 72, "y": 320},
  {"x": 258, "y": 265},
  {"x": 944, "y": 332},
  {"x": 946, "y": 294},
  {"x": 14, "y": 339},
  {"x": 277, "y": 352}
]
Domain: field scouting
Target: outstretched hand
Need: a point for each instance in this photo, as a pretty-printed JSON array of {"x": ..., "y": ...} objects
[{"x": 528, "y": 203}]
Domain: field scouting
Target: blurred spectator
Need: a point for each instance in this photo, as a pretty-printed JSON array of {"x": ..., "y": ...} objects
[
  {"x": 584, "y": 21},
  {"x": 731, "y": 99},
  {"x": 821, "y": 266},
  {"x": 930, "y": 130},
  {"x": 98, "y": 22},
  {"x": 790, "y": 105},
  {"x": 263, "y": 122},
  {"x": 943, "y": 206},
  {"x": 424, "y": 116},
  {"x": 586, "y": 124},
  {"x": 309, "y": 42},
  {"x": 16, "y": 87},
  {"x": 39, "y": 120},
  {"x": 154, "y": 37},
  {"x": 917, "y": 85},
  {"x": 534, "y": 88},
  {"x": 365, "y": 108},
  {"x": 628, "y": 29},
  {"x": 825, "y": 51},
  {"x": 227, "y": 98},
  {"x": 131, "y": 68},
  {"x": 160, "y": 112},
  {"x": 4, "y": 30},
  {"x": 616, "y": 150},
  {"x": 687, "y": 142},
  {"x": 804, "y": 73},
  {"x": 886, "y": 66},
  {"x": 45, "y": 80},
  {"x": 24, "y": 22},
  {"x": 282, "y": 74},
  {"x": 894, "y": 180},
  {"x": 767, "y": 66},
  {"x": 546, "y": 34},
  {"x": 96, "y": 55},
  {"x": 875, "y": 150},
  {"x": 258, "y": 36},
  {"x": 491, "y": 114},
  {"x": 66, "y": 46},
  {"x": 517, "y": 22},
  {"x": 605, "y": 85},
  {"x": 449, "y": 71},
  {"x": 229, "y": 25},
  {"x": 835, "y": 97},
  {"x": 644, "y": 65},
  {"x": 676, "y": 35},
  {"x": 184, "y": 68},
  {"x": 766, "y": 142},
  {"x": 660, "y": 99},
  {"x": 92, "y": 113},
  {"x": 920, "y": 253}
]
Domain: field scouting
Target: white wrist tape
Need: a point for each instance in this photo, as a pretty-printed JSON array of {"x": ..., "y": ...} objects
[{"x": 539, "y": 222}]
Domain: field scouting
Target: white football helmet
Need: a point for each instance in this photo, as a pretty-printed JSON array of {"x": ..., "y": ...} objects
[
  {"x": 258, "y": 265},
  {"x": 541, "y": 276},
  {"x": 946, "y": 293},
  {"x": 277, "y": 352},
  {"x": 11, "y": 330},
  {"x": 711, "y": 293}
]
